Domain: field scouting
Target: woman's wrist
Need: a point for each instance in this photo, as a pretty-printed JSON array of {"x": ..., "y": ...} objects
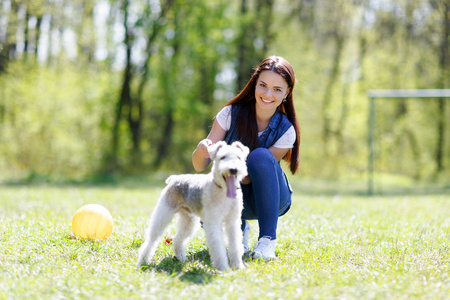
[
  {"x": 205, "y": 142},
  {"x": 200, "y": 157}
]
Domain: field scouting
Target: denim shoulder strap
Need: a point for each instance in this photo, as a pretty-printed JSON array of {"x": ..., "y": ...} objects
[
  {"x": 232, "y": 134},
  {"x": 278, "y": 126}
]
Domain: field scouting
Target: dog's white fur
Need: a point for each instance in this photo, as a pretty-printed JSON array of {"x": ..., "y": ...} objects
[{"x": 203, "y": 196}]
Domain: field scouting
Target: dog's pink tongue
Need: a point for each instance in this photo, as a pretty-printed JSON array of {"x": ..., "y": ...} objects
[{"x": 231, "y": 186}]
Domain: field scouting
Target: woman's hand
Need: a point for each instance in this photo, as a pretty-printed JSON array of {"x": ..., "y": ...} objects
[
  {"x": 203, "y": 147},
  {"x": 200, "y": 157},
  {"x": 246, "y": 180}
]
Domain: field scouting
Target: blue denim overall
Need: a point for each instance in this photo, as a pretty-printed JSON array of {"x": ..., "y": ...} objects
[{"x": 269, "y": 195}]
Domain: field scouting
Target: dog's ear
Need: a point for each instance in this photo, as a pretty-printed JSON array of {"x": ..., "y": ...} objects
[
  {"x": 241, "y": 147},
  {"x": 213, "y": 149}
]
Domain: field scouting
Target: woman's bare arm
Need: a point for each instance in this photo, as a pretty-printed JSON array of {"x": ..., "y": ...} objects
[{"x": 200, "y": 157}]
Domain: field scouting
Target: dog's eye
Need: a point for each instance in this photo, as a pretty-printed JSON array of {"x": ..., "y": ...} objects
[{"x": 223, "y": 157}]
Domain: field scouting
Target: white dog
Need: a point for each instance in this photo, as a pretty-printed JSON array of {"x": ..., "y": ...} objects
[{"x": 214, "y": 198}]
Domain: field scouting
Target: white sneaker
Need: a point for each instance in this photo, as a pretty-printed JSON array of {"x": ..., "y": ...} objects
[
  {"x": 264, "y": 249},
  {"x": 246, "y": 237}
]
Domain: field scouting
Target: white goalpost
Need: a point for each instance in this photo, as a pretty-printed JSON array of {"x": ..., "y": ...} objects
[{"x": 400, "y": 93}]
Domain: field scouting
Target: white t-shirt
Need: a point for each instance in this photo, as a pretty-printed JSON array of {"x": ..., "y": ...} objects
[{"x": 286, "y": 141}]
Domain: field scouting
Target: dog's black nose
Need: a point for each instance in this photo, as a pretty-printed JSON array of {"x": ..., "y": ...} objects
[{"x": 233, "y": 171}]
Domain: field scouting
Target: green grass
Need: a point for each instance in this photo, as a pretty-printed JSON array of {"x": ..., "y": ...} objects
[{"x": 329, "y": 247}]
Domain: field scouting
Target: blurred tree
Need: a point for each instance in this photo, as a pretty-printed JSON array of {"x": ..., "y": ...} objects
[
  {"x": 442, "y": 9},
  {"x": 329, "y": 25},
  {"x": 336, "y": 18},
  {"x": 190, "y": 59},
  {"x": 254, "y": 37},
  {"x": 169, "y": 82},
  {"x": 85, "y": 30},
  {"x": 8, "y": 42},
  {"x": 138, "y": 82},
  {"x": 130, "y": 104},
  {"x": 404, "y": 27}
]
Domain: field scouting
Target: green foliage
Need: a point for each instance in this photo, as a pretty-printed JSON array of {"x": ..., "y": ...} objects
[
  {"x": 375, "y": 56},
  {"x": 328, "y": 247},
  {"x": 55, "y": 122},
  {"x": 57, "y": 116}
]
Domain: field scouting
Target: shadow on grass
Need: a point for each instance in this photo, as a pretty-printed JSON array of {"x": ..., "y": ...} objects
[{"x": 195, "y": 270}]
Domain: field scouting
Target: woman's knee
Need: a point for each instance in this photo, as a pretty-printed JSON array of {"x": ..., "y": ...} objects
[{"x": 259, "y": 158}]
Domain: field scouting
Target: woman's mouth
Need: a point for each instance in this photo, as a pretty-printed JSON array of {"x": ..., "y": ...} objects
[{"x": 266, "y": 101}]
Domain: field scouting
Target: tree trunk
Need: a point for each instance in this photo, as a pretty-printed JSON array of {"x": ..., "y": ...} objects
[
  {"x": 135, "y": 124},
  {"x": 264, "y": 12},
  {"x": 127, "y": 103},
  {"x": 38, "y": 35},
  {"x": 243, "y": 67},
  {"x": 169, "y": 80},
  {"x": 125, "y": 96},
  {"x": 444, "y": 64},
  {"x": 26, "y": 33},
  {"x": 254, "y": 30},
  {"x": 441, "y": 134},
  {"x": 164, "y": 144},
  {"x": 133, "y": 107},
  {"x": 326, "y": 132}
]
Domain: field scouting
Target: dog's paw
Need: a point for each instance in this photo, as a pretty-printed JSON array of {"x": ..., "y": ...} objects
[
  {"x": 144, "y": 258},
  {"x": 179, "y": 250},
  {"x": 181, "y": 258},
  {"x": 239, "y": 266},
  {"x": 141, "y": 262},
  {"x": 222, "y": 267}
]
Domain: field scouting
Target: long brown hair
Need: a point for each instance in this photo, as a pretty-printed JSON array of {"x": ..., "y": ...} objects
[{"x": 246, "y": 121}]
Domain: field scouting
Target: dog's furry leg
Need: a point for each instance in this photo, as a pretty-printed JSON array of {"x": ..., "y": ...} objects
[
  {"x": 216, "y": 246},
  {"x": 160, "y": 219},
  {"x": 235, "y": 246},
  {"x": 187, "y": 225}
]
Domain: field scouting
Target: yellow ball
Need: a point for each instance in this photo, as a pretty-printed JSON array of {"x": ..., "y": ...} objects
[{"x": 93, "y": 222}]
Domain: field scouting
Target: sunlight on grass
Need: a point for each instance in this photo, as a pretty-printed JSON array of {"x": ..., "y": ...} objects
[{"x": 328, "y": 247}]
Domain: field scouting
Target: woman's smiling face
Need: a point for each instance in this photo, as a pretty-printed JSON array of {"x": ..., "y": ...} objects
[{"x": 270, "y": 91}]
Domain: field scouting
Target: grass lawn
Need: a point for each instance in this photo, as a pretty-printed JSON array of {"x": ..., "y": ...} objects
[{"x": 329, "y": 247}]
